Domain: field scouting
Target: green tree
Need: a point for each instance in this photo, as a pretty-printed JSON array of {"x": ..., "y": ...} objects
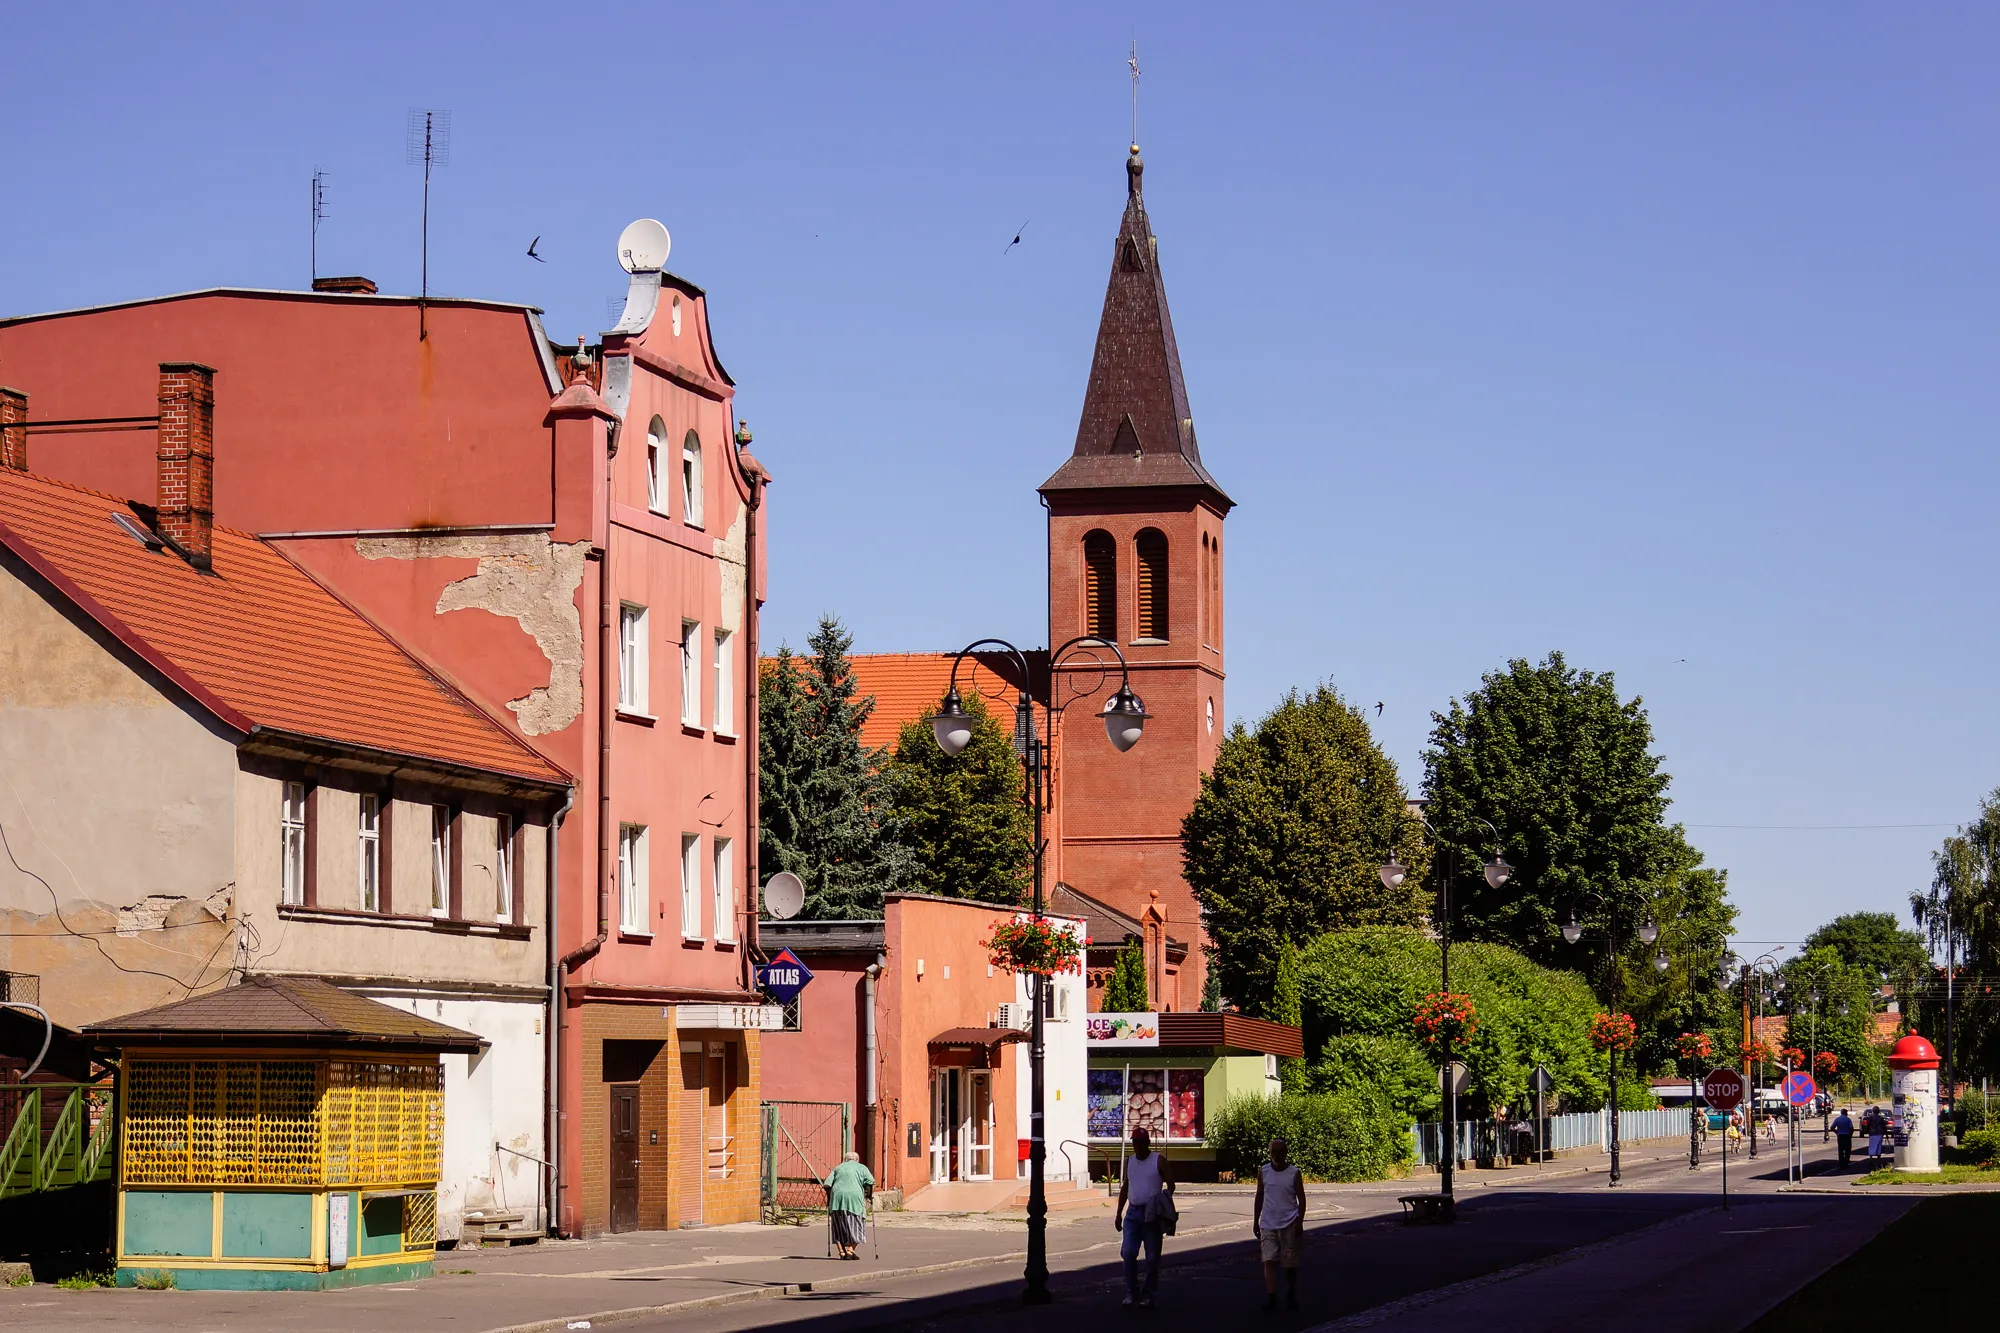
[
  {"x": 962, "y": 816},
  {"x": 1565, "y": 769},
  {"x": 1287, "y": 835},
  {"x": 1960, "y": 917},
  {"x": 823, "y": 807},
  {"x": 1873, "y": 942},
  {"x": 1285, "y": 1009},
  {"x": 1829, "y": 1005},
  {"x": 1125, "y": 992},
  {"x": 1359, "y": 991}
]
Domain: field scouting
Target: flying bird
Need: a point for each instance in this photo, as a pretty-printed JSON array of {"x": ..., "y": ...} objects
[
  {"x": 1017, "y": 239},
  {"x": 1378, "y": 710},
  {"x": 531, "y": 251}
]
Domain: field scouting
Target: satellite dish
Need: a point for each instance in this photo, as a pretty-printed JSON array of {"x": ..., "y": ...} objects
[
  {"x": 643, "y": 247},
  {"x": 784, "y": 895}
]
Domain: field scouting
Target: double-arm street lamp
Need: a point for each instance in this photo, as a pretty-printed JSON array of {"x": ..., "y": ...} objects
[
  {"x": 1648, "y": 931},
  {"x": 1761, "y": 969},
  {"x": 1392, "y": 875},
  {"x": 1124, "y": 720}
]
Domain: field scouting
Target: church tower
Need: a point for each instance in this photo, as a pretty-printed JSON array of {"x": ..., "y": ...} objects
[{"x": 1135, "y": 556}]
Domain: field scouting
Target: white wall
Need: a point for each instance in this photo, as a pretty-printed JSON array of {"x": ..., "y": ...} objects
[
  {"x": 1063, "y": 1074},
  {"x": 495, "y": 1097}
]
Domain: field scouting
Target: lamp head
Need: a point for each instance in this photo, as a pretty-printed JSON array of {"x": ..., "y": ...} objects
[
  {"x": 1660, "y": 961},
  {"x": 1572, "y": 928},
  {"x": 1650, "y": 931},
  {"x": 952, "y": 725},
  {"x": 1393, "y": 873},
  {"x": 1124, "y": 718},
  {"x": 1497, "y": 870}
]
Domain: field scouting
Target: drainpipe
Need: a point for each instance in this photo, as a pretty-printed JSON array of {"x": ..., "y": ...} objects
[
  {"x": 753, "y": 472},
  {"x": 552, "y": 1114},
  {"x": 869, "y": 1100}
]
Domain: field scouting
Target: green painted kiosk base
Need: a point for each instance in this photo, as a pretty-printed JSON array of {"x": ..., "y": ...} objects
[{"x": 278, "y": 1279}]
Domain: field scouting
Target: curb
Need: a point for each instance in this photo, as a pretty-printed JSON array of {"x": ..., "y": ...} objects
[{"x": 564, "y": 1323}]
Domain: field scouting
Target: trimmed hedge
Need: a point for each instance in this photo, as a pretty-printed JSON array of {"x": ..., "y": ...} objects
[{"x": 1353, "y": 1134}]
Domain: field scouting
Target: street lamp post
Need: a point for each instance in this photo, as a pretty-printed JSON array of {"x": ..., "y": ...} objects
[
  {"x": 1649, "y": 931},
  {"x": 1497, "y": 872},
  {"x": 1124, "y": 720},
  {"x": 1759, "y": 969}
]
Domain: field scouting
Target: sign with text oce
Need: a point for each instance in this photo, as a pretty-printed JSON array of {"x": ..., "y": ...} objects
[{"x": 1117, "y": 1032}]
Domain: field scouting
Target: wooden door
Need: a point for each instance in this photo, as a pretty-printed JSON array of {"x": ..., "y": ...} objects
[
  {"x": 721, "y": 1145},
  {"x": 625, "y": 1157}
]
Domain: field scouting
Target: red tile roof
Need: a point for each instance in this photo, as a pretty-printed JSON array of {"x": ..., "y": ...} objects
[
  {"x": 908, "y": 686},
  {"x": 257, "y": 642}
]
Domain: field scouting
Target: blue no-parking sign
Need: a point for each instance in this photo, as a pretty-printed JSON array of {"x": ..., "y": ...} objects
[
  {"x": 784, "y": 976},
  {"x": 1799, "y": 1088}
]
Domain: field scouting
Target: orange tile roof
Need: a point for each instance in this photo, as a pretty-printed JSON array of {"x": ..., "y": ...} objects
[
  {"x": 257, "y": 642},
  {"x": 908, "y": 686}
]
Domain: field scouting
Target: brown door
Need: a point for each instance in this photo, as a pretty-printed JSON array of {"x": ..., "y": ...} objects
[{"x": 625, "y": 1157}]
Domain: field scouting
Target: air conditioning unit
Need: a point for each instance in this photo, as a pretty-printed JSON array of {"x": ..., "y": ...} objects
[{"x": 1016, "y": 1016}]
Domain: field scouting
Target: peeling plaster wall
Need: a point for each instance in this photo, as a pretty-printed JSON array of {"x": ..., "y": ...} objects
[
  {"x": 730, "y": 562},
  {"x": 117, "y": 805},
  {"x": 526, "y": 578}
]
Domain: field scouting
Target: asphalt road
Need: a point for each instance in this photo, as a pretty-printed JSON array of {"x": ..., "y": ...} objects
[{"x": 1358, "y": 1257}]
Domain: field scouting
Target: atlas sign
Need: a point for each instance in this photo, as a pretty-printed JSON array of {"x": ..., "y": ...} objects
[
  {"x": 784, "y": 976},
  {"x": 1723, "y": 1089}
]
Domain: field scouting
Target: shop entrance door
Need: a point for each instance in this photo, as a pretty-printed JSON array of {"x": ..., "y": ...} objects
[
  {"x": 625, "y": 1157},
  {"x": 946, "y": 1125},
  {"x": 978, "y": 1129}
]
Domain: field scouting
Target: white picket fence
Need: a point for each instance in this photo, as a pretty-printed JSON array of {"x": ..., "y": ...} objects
[{"x": 1583, "y": 1129}]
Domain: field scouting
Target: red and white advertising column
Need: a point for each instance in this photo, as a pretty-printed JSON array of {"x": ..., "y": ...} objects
[{"x": 1913, "y": 1116}]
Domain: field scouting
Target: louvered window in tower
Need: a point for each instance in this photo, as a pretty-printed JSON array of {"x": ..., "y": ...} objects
[
  {"x": 1152, "y": 550},
  {"x": 1100, "y": 586}
]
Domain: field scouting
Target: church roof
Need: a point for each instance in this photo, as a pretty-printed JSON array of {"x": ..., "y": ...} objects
[{"x": 1137, "y": 429}]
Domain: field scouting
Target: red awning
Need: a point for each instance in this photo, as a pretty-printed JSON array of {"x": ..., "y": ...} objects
[{"x": 971, "y": 1048}]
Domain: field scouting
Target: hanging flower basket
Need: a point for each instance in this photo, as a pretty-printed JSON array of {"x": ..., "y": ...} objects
[
  {"x": 1695, "y": 1047},
  {"x": 1445, "y": 1019},
  {"x": 1827, "y": 1063},
  {"x": 1036, "y": 945},
  {"x": 1613, "y": 1032},
  {"x": 1755, "y": 1053},
  {"x": 1792, "y": 1057}
]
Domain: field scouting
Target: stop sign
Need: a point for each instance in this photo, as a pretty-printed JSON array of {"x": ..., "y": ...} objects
[{"x": 1723, "y": 1089}]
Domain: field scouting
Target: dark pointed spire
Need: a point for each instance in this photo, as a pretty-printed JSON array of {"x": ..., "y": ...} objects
[{"x": 1136, "y": 429}]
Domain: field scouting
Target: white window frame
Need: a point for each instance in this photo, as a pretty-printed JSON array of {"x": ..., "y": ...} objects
[
  {"x": 440, "y": 860},
  {"x": 632, "y": 658},
  {"x": 292, "y": 845},
  {"x": 725, "y": 686},
  {"x": 503, "y": 866},
  {"x": 656, "y": 441},
  {"x": 368, "y": 851},
  {"x": 723, "y": 859},
  {"x": 691, "y": 480},
  {"x": 634, "y": 900},
  {"x": 691, "y": 886},
  {"x": 690, "y": 674}
]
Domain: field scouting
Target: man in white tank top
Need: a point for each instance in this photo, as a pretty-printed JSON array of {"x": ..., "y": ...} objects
[
  {"x": 1144, "y": 1192},
  {"x": 1278, "y": 1219}
]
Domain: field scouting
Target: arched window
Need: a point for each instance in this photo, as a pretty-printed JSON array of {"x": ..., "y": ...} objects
[
  {"x": 1100, "y": 585},
  {"x": 691, "y": 479},
  {"x": 1152, "y": 550},
  {"x": 656, "y": 449}
]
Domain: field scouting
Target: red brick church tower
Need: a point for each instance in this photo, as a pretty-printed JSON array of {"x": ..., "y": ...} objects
[{"x": 1135, "y": 556}]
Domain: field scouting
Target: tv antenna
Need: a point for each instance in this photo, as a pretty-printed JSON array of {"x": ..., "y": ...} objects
[
  {"x": 318, "y": 216},
  {"x": 426, "y": 141}
]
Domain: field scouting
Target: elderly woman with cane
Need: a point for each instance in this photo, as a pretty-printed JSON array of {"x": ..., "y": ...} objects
[{"x": 847, "y": 1191}]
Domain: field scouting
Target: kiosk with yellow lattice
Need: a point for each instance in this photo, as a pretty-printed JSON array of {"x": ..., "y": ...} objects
[{"x": 282, "y": 1133}]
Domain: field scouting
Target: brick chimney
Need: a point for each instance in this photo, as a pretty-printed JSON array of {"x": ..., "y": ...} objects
[
  {"x": 355, "y": 285},
  {"x": 187, "y": 458},
  {"x": 13, "y": 431}
]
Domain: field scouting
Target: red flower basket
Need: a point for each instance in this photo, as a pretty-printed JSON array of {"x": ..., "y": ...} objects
[
  {"x": 1695, "y": 1047},
  {"x": 1827, "y": 1063},
  {"x": 1792, "y": 1056},
  {"x": 1613, "y": 1032},
  {"x": 1755, "y": 1053},
  {"x": 1445, "y": 1019},
  {"x": 1034, "y": 944}
]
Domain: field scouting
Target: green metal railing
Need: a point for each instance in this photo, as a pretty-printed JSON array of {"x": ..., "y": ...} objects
[{"x": 70, "y": 1152}]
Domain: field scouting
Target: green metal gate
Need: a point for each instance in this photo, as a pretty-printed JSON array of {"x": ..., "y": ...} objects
[{"x": 803, "y": 1142}]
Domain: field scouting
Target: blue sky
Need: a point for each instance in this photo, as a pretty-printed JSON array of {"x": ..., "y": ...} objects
[{"x": 1664, "y": 339}]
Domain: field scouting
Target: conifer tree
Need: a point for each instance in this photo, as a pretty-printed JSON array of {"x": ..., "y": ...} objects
[
  {"x": 961, "y": 816},
  {"x": 1125, "y": 992},
  {"x": 823, "y": 803}
]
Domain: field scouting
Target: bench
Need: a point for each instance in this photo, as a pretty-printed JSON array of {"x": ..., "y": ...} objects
[{"x": 1423, "y": 1208}]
